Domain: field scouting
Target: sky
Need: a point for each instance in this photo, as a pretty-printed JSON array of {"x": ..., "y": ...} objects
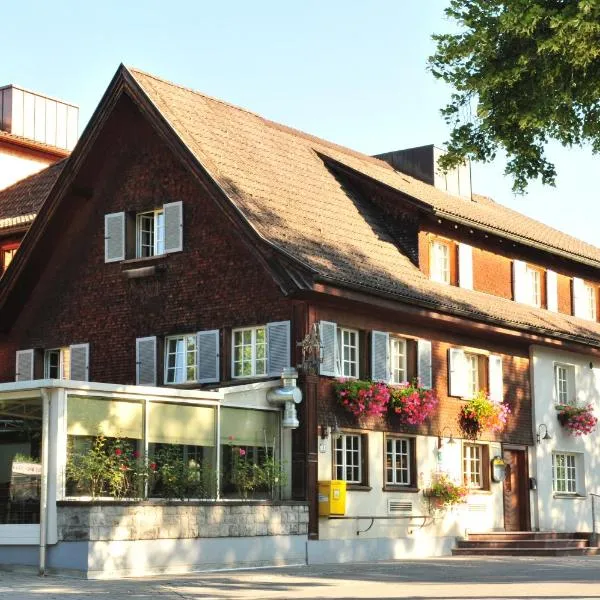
[{"x": 349, "y": 71}]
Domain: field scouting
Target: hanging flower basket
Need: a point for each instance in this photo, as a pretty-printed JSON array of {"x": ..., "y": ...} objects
[
  {"x": 577, "y": 420},
  {"x": 362, "y": 398},
  {"x": 444, "y": 492},
  {"x": 414, "y": 404},
  {"x": 481, "y": 413}
]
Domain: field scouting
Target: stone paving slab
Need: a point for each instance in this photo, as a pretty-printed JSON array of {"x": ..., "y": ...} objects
[{"x": 440, "y": 579}]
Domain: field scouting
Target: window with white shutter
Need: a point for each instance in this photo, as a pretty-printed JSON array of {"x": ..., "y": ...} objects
[
  {"x": 114, "y": 237},
  {"x": 465, "y": 266},
  {"x": 329, "y": 358},
  {"x": 424, "y": 363},
  {"x": 208, "y": 356},
  {"x": 145, "y": 360},
  {"x": 173, "y": 213},
  {"x": 80, "y": 362},
  {"x": 585, "y": 299},
  {"x": 278, "y": 347},
  {"x": 552, "y": 291},
  {"x": 398, "y": 353},
  {"x": 457, "y": 373},
  {"x": 380, "y": 358},
  {"x": 24, "y": 365},
  {"x": 520, "y": 281},
  {"x": 496, "y": 383}
]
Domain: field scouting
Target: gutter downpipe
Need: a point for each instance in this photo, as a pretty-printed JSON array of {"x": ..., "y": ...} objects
[{"x": 44, "y": 482}]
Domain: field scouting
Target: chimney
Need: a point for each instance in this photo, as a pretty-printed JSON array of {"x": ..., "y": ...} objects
[
  {"x": 421, "y": 163},
  {"x": 38, "y": 118}
]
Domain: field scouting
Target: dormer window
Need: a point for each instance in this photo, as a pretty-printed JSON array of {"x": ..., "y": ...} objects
[
  {"x": 440, "y": 261},
  {"x": 150, "y": 233},
  {"x": 534, "y": 286},
  {"x": 527, "y": 283}
]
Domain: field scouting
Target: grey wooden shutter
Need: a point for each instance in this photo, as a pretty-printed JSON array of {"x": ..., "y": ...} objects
[
  {"x": 424, "y": 363},
  {"x": 145, "y": 361},
  {"x": 380, "y": 356},
  {"x": 328, "y": 334},
  {"x": 579, "y": 304},
  {"x": 173, "y": 226},
  {"x": 457, "y": 373},
  {"x": 520, "y": 281},
  {"x": 465, "y": 266},
  {"x": 278, "y": 347},
  {"x": 80, "y": 362},
  {"x": 114, "y": 237},
  {"x": 496, "y": 384},
  {"x": 208, "y": 356},
  {"x": 551, "y": 291},
  {"x": 24, "y": 365}
]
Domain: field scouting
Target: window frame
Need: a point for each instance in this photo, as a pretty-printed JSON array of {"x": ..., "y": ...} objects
[
  {"x": 444, "y": 276},
  {"x": 362, "y": 482},
  {"x": 483, "y": 472},
  {"x": 394, "y": 486},
  {"x": 534, "y": 286},
  {"x": 7, "y": 250},
  {"x": 570, "y": 392},
  {"x": 473, "y": 385},
  {"x": 253, "y": 345},
  {"x": 591, "y": 301},
  {"x": 575, "y": 472},
  {"x": 340, "y": 352},
  {"x": 395, "y": 340},
  {"x": 156, "y": 229},
  {"x": 186, "y": 337},
  {"x": 61, "y": 362}
]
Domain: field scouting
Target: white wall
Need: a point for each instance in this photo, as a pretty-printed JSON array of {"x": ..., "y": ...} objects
[
  {"x": 552, "y": 512},
  {"x": 484, "y": 511},
  {"x": 14, "y": 167}
]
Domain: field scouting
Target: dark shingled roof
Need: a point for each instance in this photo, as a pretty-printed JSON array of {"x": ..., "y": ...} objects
[{"x": 20, "y": 202}]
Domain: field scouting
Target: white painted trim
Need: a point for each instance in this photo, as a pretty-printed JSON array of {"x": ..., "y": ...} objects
[{"x": 19, "y": 535}]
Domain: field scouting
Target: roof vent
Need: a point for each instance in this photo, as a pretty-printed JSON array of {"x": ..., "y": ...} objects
[{"x": 421, "y": 163}]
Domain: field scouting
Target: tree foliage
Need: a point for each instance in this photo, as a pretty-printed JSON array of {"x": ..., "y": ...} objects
[{"x": 524, "y": 72}]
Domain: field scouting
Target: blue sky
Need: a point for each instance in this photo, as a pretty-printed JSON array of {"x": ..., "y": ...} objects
[{"x": 349, "y": 71}]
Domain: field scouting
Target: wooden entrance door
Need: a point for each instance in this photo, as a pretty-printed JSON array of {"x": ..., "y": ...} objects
[{"x": 516, "y": 491}]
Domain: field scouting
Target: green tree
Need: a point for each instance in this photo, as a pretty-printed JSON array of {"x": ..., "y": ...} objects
[{"x": 524, "y": 72}]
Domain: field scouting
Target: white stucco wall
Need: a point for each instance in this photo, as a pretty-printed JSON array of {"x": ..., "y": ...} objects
[
  {"x": 553, "y": 511},
  {"x": 484, "y": 510},
  {"x": 15, "y": 166}
]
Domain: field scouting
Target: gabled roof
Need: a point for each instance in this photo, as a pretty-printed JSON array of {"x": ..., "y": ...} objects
[
  {"x": 20, "y": 202},
  {"x": 277, "y": 178}
]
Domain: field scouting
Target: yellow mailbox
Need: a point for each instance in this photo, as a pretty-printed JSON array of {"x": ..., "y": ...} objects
[{"x": 332, "y": 498}]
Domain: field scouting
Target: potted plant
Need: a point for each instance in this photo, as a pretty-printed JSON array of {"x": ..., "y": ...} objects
[
  {"x": 444, "y": 492},
  {"x": 362, "y": 398},
  {"x": 577, "y": 420},
  {"x": 481, "y": 413},
  {"x": 413, "y": 403}
]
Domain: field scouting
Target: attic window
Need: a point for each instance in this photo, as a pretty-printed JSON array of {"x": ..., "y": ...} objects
[
  {"x": 150, "y": 233},
  {"x": 440, "y": 261}
]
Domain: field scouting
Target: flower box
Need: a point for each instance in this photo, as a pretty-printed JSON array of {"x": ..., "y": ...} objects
[{"x": 577, "y": 420}]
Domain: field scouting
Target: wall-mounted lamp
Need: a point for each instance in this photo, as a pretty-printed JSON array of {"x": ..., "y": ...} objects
[
  {"x": 441, "y": 435},
  {"x": 542, "y": 427},
  {"x": 326, "y": 430}
]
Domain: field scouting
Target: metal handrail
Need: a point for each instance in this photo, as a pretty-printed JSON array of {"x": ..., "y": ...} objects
[{"x": 594, "y": 538}]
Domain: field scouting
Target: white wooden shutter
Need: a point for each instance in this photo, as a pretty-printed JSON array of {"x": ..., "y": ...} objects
[
  {"x": 579, "y": 304},
  {"x": 145, "y": 361},
  {"x": 208, "y": 356},
  {"x": 80, "y": 362},
  {"x": 465, "y": 266},
  {"x": 520, "y": 281},
  {"x": 380, "y": 356},
  {"x": 424, "y": 363},
  {"x": 551, "y": 291},
  {"x": 114, "y": 237},
  {"x": 24, "y": 365},
  {"x": 495, "y": 378},
  {"x": 278, "y": 347},
  {"x": 328, "y": 334},
  {"x": 457, "y": 373},
  {"x": 173, "y": 226}
]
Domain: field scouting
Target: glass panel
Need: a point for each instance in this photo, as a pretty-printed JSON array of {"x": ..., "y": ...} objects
[
  {"x": 112, "y": 418},
  {"x": 20, "y": 465}
]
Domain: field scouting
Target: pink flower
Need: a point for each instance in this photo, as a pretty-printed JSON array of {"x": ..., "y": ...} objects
[
  {"x": 242, "y": 452},
  {"x": 118, "y": 451},
  {"x": 136, "y": 454},
  {"x": 153, "y": 466}
]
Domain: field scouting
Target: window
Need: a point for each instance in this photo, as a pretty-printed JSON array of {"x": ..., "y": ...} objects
[
  {"x": 564, "y": 383},
  {"x": 400, "y": 464},
  {"x": 440, "y": 262},
  {"x": 180, "y": 359},
  {"x": 249, "y": 352},
  {"x": 55, "y": 363},
  {"x": 150, "y": 233},
  {"x": 472, "y": 375},
  {"x": 398, "y": 360},
  {"x": 473, "y": 460},
  {"x": 348, "y": 352},
  {"x": 7, "y": 253},
  {"x": 533, "y": 289},
  {"x": 349, "y": 458},
  {"x": 564, "y": 473},
  {"x": 590, "y": 302}
]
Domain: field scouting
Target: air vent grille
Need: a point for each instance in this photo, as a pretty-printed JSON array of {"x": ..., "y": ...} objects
[{"x": 398, "y": 507}]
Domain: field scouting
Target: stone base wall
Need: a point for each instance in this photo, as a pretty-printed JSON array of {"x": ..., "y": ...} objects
[{"x": 130, "y": 521}]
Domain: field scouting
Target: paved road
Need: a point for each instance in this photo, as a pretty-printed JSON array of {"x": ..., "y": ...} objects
[{"x": 442, "y": 579}]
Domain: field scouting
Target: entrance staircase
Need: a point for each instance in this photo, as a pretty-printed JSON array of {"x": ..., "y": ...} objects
[{"x": 526, "y": 543}]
